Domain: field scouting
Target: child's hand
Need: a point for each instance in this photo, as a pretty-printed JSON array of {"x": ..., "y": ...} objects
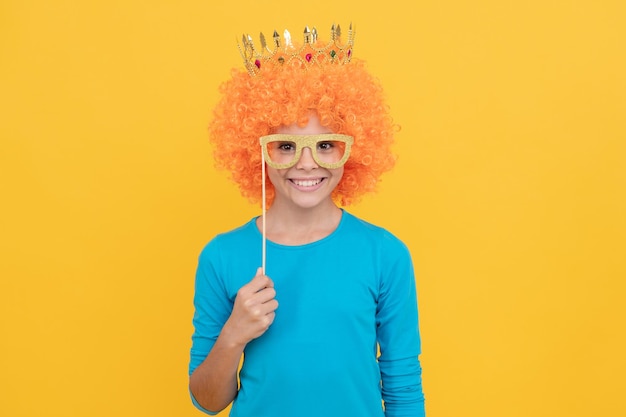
[{"x": 253, "y": 312}]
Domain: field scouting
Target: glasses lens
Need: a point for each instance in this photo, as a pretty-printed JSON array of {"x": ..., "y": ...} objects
[
  {"x": 330, "y": 152},
  {"x": 281, "y": 152}
]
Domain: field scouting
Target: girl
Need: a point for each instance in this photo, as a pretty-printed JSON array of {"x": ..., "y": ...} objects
[{"x": 329, "y": 327}]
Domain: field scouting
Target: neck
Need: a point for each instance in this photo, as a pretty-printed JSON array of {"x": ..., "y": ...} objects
[{"x": 298, "y": 226}]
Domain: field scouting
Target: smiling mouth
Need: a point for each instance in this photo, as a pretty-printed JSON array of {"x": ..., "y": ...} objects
[{"x": 307, "y": 183}]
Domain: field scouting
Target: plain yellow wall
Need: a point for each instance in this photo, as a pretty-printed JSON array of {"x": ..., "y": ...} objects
[{"x": 510, "y": 192}]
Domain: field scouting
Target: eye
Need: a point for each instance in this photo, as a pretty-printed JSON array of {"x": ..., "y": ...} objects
[
  {"x": 286, "y": 146},
  {"x": 325, "y": 146}
]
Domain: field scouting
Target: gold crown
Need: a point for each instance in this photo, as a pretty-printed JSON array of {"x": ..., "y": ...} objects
[{"x": 308, "y": 54}]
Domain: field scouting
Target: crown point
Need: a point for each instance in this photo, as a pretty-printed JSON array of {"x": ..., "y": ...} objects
[
  {"x": 287, "y": 37},
  {"x": 276, "y": 37}
]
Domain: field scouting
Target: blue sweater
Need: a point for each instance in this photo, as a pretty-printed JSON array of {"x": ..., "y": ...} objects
[{"x": 340, "y": 300}]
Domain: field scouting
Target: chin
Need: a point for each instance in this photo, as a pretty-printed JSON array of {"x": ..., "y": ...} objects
[{"x": 305, "y": 202}]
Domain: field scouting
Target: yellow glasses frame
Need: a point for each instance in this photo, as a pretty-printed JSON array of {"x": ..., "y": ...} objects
[{"x": 307, "y": 141}]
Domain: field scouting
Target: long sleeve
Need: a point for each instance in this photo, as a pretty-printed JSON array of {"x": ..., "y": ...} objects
[
  {"x": 212, "y": 305},
  {"x": 212, "y": 309},
  {"x": 398, "y": 334}
]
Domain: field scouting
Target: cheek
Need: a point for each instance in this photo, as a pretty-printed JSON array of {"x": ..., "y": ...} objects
[
  {"x": 275, "y": 175},
  {"x": 337, "y": 173}
]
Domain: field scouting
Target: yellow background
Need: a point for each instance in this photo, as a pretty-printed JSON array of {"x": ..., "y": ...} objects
[{"x": 509, "y": 192}]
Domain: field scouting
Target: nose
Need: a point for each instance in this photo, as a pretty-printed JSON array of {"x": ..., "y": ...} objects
[{"x": 306, "y": 160}]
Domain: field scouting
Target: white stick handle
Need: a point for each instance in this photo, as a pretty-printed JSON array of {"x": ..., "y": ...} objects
[{"x": 264, "y": 239}]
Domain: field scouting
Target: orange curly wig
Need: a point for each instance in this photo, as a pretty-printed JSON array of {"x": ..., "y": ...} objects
[{"x": 347, "y": 99}]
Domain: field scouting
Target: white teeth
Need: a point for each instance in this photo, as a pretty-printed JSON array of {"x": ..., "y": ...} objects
[{"x": 306, "y": 183}]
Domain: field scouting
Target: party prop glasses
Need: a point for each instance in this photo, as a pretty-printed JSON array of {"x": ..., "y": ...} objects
[{"x": 329, "y": 150}]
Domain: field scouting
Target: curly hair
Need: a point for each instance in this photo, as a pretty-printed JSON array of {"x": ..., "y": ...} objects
[{"x": 346, "y": 98}]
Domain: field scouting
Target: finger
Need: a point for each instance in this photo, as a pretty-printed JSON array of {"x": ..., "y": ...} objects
[
  {"x": 271, "y": 317},
  {"x": 272, "y": 305},
  {"x": 259, "y": 310},
  {"x": 264, "y": 295},
  {"x": 261, "y": 281},
  {"x": 268, "y": 283},
  {"x": 256, "y": 284}
]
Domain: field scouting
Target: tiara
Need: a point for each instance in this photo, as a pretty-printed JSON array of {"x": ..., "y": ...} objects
[{"x": 285, "y": 53}]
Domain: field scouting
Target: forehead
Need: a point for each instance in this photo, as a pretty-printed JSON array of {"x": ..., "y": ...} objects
[{"x": 313, "y": 127}]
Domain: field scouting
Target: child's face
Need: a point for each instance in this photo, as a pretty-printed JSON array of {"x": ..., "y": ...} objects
[{"x": 306, "y": 184}]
